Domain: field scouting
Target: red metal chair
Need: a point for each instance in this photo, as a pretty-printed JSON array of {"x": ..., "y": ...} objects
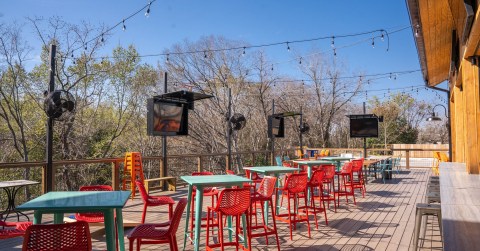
[
  {"x": 295, "y": 185},
  {"x": 263, "y": 194},
  {"x": 329, "y": 185},
  {"x": 316, "y": 183},
  {"x": 154, "y": 201},
  {"x": 58, "y": 237},
  {"x": 159, "y": 233},
  {"x": 256, "y": 179},
  {"x": 232, "y": 202},
  {"x": 207, "y": 191},
  {"x": 92, "y": 217},
  {"x": 358, "y": 177},
  {"x": 13, "y": 229},
  {"x": 346, "y": 189}
]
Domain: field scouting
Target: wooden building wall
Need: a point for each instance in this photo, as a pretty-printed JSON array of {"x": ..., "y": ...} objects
[{"x": 465, "y": 116}]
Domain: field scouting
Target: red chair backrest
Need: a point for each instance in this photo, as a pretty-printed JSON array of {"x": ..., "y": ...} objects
[
  {"x": 317, "y": 177},
  {"x": 347, "y": 167},
  {"x": 177, "y": 216},
  {"x": 267, "y": 186},
  {"x": 233, "y": 201},
  {"x": 143, "y": 191},
  {"x": 296, "y": 183},
  {"x": 254, "y": 175},
  {"x": 59, "y": 237},
  {"x": 357, "y": 165},
  {"x": 329, "y": 171}
]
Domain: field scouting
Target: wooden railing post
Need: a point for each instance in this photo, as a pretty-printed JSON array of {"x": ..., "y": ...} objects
[
  {"x": 115, "y": 176},
  {"x": 407, "y": 160},
  {"x": 44, "y": 184},
  {"x": 227, "y": 159},
  {"x": 199, "y": 164}
]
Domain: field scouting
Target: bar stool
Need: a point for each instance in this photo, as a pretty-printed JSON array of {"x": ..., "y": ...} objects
[
  {"x": 231, "y": 202},
  {"x": 346, "y": 189},
  {"x": 425, "y": 210},
  {"x": 263, "y": 194},
  {"x": 316, "y": 184},
  {"x": 295, "y": 184},
  {"x": 328, "y": 185}
]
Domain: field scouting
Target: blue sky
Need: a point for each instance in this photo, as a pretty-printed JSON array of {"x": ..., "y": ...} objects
[{"x": 252, "y": 21}]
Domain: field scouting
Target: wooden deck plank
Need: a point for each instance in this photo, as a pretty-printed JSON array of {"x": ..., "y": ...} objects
[{"x": 383, "y": 220}]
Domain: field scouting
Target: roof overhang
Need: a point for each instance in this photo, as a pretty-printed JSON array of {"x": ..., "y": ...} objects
[{"x": 435, "y": 21}]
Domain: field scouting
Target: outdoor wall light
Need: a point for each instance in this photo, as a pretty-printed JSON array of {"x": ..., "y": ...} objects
[{"x": 434, "y": 116}]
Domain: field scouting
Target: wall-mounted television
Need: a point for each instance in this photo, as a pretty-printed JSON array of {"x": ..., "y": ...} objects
[
  {"x": 276, "y": 127},
  {"x": 166, "y": 118},
  {"x": 363, "y": 127}
]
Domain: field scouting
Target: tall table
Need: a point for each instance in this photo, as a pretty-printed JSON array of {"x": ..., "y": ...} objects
[
  {"x": 337, "y": 160},
  {"x": 311, "y": 163},
  {"x": 11, "y": 188},
  {"x": 200, "y": 182},
  {"x": 276, "y": 171},
  {"x": 58, "y": 203}
]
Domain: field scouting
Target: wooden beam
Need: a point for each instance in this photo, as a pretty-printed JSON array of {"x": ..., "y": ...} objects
[{"x": 471, "y": 99}]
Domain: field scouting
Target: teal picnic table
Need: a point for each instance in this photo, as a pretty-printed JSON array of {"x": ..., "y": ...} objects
[
  {"x": 59, "y": 203},
  {"x": 275, "y": 171},
  {"x": 200, "y": 182}
]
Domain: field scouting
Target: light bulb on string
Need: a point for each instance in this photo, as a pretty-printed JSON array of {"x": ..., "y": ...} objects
[
  {"x": 85, "y": 46},
  {"x": 288, "y": 47},
  {"x": 373, "y": 42},
  {"x": 204, "y": 54},
  {"x": 124, "y": 27},
  {"x": 390, "y": 77},
  {"x": 272, "y": 67},
  {"x": 102, "y": 40},
  {"x": 382, "y": 37},
  {"x": 243, "y": 54},
  {"x": 334, "y": 52},
  {"x": 147, "y": 13},
  {"x": 168, "y": 58},
  {"x": 333, "y": 42},
  {"x": 300, "y": 61},
  {"x": 417, "y": 27}
]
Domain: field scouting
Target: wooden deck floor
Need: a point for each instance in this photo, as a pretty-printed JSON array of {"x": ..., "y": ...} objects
[{"x": 383, "y": 220}]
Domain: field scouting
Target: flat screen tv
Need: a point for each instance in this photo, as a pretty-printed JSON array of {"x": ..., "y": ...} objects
[
  {"x": 166, "y": 118},
  {"x": 363, "y": 127},
  {"x": 276, "y": 127}
]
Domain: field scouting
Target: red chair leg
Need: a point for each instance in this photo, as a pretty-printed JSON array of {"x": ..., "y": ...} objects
[
  {"x": 274, "y": 224},
  {"x": 144, "y": 213}
]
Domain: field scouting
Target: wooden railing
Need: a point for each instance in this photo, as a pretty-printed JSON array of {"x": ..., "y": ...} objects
[{"x": 253, "y": 159}]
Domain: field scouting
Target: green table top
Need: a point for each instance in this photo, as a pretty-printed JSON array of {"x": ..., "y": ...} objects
[
  {"x": 271, "y": 169},
  {"x": 313, "y": 162},
  {"x": 214, "y": 180},
  {"x": 77, "y": 200}
]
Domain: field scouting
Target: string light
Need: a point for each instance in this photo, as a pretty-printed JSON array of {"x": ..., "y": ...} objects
[
  {"x": 168, "y": 58},
  {"x": 373, "y": 42},
  {"x": 243, "y": 51},
  {"x": 300, "y": 62},
  {"x": 147, "y": 13},
  {"x": 272, "y": 67},
  {"x": 204, "y": 54},
  {"x": 288, "y": 47},
  {"x": 417, "y": 27},
  {"x": 334, "y": 52},
  {"x": 102, "y": 40},
  {"x": 124, "y": 26},
  {"x": 333, "y": 42},
  {"x": 382, "y": 37}
]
